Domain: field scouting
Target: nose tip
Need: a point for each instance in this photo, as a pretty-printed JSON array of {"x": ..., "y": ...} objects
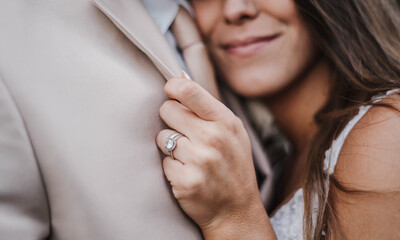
[{"x": 238, "y": 11}]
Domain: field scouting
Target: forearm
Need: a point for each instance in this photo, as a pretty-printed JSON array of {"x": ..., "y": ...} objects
[{"x": 253, "y": 224}]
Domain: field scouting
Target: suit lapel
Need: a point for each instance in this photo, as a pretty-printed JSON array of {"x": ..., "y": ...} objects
[{"x": 132, "y": 18}]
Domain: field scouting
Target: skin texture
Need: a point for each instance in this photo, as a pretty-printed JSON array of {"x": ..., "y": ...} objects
[
  {"x": 369, "y": 161},
  {"x": 287, "y": 73},
  {"x": 268, "y": 68},
  {"x": 214, "y": 182},
  {"x": 213, "y": 176}
]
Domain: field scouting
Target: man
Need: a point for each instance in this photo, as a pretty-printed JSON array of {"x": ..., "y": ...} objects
[{"x": 80, "y": 89}]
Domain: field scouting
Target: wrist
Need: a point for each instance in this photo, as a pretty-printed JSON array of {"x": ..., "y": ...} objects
[{"x": 251, "y": 222}]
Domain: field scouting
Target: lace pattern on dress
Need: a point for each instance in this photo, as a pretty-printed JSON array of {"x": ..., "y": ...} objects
[{"x": 288, "y": 220}]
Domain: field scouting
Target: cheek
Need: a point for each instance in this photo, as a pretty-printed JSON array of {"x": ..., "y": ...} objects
[
  {"x": 260, "y": 79},
  {"x": 269, "y": 74},
  {"x": 207, "y": 14},
  {"x": 282, "y": 9},
  {"x": 272, "y": 69}
]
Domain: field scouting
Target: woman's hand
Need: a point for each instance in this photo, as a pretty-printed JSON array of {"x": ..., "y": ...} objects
[{"x": 212, "y": 175}]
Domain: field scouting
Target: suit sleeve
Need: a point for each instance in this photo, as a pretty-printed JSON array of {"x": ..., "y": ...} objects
[{"x": 24, "y": 212}]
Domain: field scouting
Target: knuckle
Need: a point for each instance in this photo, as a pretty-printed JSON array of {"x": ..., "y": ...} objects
[
  {"x": 192, "y": 184},
  {"x": 212, "y": 138},
  {"x": 215, "y": 140},
  {"x": 169, "y": 87},
  {"x": 232, "y": 124},
  {"x": 210, "y": 160},
  {"x": 177, "y": 194},
  {"x": 166, "y": 106},
  {"x": 177, "y": 190},
  {"x": 207, "y": 158},
  {"x": 239, "y": 122},
  {"x": 188, "y": 183},
  {"x": 187, "y": 88}
]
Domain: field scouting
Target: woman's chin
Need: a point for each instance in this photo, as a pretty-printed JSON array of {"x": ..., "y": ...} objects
[
  {"x": 253, "y": 84},
  {"x": 254, "y": 90}
]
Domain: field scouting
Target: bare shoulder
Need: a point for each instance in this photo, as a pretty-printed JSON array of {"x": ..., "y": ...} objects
[
  {"x": 370, "y": 161},
  {"x": 370, "y": 157}
]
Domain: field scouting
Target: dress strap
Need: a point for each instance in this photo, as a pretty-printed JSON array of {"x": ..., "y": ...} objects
[{"x": 332, "y": 154}]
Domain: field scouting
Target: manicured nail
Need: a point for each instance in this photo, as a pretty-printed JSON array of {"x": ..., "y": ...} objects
[{"x": 185, "y": 75}]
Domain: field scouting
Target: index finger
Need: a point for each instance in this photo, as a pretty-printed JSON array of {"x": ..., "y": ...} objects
[{"x": 196, "y": 98}]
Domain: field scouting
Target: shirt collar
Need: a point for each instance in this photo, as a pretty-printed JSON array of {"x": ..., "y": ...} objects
[{"x": 164, "y": 11}]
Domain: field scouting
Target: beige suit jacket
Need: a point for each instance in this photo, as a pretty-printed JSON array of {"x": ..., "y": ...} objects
[{"x": 79, "y": 100}]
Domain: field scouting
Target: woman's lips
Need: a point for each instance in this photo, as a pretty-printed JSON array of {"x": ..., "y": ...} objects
[{"x": 248, "y": 46}]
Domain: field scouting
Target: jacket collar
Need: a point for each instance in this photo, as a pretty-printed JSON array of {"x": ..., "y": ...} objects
[{"x": 133, "y": 20}]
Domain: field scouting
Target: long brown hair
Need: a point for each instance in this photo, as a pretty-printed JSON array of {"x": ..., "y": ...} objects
[{"x": 361, "y": 38}]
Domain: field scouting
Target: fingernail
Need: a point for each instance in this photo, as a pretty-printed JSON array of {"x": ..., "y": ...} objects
[{"x": 185, "y": 75}]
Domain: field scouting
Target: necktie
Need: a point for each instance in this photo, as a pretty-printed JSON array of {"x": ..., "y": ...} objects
[{"x": 194, "y": 52}]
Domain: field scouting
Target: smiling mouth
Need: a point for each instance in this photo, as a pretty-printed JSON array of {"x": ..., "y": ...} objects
[{"x": 248, "y": 46}]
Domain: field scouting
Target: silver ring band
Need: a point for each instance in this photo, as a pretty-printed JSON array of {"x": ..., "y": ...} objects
[{"x": 170, "y": 143}]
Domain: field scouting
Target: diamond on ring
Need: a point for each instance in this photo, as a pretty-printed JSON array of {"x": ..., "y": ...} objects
[{"x": 170, "y": 143}]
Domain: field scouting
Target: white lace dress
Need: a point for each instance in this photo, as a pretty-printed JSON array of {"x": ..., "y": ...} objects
[{"x": 288, "y": 220}]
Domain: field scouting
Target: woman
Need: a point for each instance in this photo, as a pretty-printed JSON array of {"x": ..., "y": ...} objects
[{"x": 330, "y": 73}]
